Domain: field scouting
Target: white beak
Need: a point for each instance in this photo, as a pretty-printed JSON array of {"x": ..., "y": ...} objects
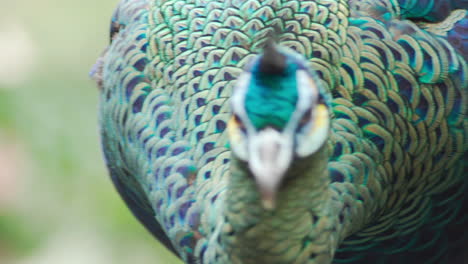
[{"x": 270, "y": 154}]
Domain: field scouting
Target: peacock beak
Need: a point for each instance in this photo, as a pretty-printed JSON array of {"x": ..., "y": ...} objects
[{"x": 270, "y": 154}]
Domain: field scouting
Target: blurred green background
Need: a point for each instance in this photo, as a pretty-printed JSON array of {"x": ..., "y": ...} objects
[{"x": 57, "y": 204}]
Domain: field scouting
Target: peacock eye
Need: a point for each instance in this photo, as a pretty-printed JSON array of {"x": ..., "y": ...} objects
[
  {"x": 237, "y": 119},
  {"x": 305, "y": 118},
  {"x": 239, "y": 123}
]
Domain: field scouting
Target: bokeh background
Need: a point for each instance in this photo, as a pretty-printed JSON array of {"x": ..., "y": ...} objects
[{"x": 57, "y": 204}]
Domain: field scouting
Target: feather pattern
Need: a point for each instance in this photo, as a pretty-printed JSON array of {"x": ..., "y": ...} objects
[{"x": 389, "y": 186}]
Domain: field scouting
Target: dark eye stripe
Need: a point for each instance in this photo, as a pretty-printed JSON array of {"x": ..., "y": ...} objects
[
  {"x": 305, "y": 118},
  {"x": 239, "y": 123}
]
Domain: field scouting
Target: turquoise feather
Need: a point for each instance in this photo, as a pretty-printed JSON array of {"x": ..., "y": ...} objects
[
  {"x": 271, "y": 99},
  {"x": 389, "y": 184}
]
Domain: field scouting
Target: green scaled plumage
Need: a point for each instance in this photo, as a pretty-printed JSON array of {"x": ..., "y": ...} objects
[{"x": 375, "y": 157}]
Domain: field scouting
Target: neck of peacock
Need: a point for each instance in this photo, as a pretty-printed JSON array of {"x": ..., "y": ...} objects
[{"x": 300, "y": 227}]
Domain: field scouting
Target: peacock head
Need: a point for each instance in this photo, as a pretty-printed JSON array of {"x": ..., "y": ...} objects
[{"x": 280, "y": 114}]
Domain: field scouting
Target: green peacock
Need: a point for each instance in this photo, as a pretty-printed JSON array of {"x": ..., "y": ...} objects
[{"x": 287, "y": 131}]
